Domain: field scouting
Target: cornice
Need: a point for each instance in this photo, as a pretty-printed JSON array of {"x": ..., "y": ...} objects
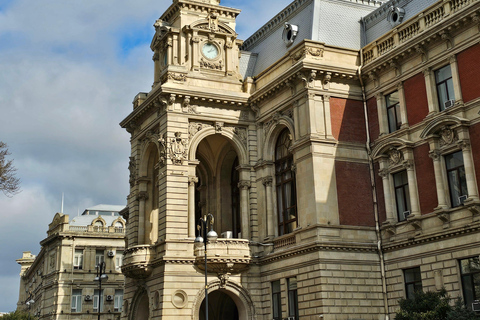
[{"x": 176, "y": 7}]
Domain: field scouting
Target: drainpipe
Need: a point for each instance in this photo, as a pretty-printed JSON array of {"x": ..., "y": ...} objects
[{"x": 374, "y": 187}]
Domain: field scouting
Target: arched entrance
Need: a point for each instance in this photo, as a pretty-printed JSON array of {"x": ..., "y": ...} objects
[
  {"x": 141, "y": 311},
  {"x": 220, "y": 307}
]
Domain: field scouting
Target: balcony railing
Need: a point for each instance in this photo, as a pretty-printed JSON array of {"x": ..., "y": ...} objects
[{"x": 425, "y": 20}]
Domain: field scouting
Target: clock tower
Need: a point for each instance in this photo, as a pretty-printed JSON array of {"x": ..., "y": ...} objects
[{"x": 195, "y": 39}]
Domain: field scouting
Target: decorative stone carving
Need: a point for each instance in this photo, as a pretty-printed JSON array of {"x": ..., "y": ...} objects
[
  {"x": 267, "y": 181},
  {"x": 178, "y": 149},
  {"x": 223, "y": 279},
  {"x": 326, "y": 80},
  {"x": 213, "y": 20},
  {"x": 447, "y": 136},
  {"x": 242, "y": 134},
  {"x": 133, "y": 171},
  {"x": 372, "y": 76},
  {"x": 244, "y": 115},
  {"x": 192, "y": 180},
  {"x": 244, "y": 184},
  {"x": 464, "y": 144},
  {"x": 445, "y": 35},
  {"x": 421, "y": 51},
  {"x": 218, "y": 126},
  {"x": 394, "y": 156},
  {"x": 177, "y": 76},
  {"x": 195, "y": 127},
  {"x": 408, "y": 164},
  {"x": 187, "y": 108},
  {"x": 142, "y": 195},
  {"x": 434, "y": 155},
  {"x": 383, "y": 173},
  {"x": 211, "y": 65},
  {"x": 163, "y": 150}
]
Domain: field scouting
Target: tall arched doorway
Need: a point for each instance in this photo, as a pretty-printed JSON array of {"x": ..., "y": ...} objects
[
  {"x": 141, "y": 311},
  {"x": 220, "y": 307}
]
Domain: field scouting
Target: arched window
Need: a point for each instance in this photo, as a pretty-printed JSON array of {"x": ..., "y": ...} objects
[
  {"x": 235, "y": 179},
  {"x": 118, "y": 225},
  {"x": 285, "y": 184},
  {"x": 98, "y": 225}
]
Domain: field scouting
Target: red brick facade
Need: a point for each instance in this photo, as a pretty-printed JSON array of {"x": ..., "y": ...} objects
[
  {"x": 425, "y": 179},
  {"x": 469, "y": 71},
  {"x": 416, "y": 99},
  {"x": 355, "y": 203},
  {"x": 348, "y": 120},
  {"x": 373, "y": 125}
]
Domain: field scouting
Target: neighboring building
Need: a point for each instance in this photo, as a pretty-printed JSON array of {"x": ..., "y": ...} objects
[
  {"x": 337, "y": 146},
  {"x": 59, "y": 282}
]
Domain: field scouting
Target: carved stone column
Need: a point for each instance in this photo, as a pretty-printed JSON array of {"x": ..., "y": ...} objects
[
  {"x": 469, "y": 169},
  {"x": 142, "y": 197},
  {"x": 267, "y": 182},
  {"x": 412, "y": 187},
  {"x": 431, "y": 91},
  {"x": 437, "y": 167},
  {"x": 385, "y": 174},
  {"x": 244, "y": 186},
  {"x": 382, "y": 114},
  {"x": 456, "y": 79},
  {"x": 191, "y": 206},
  {"x": 403, "y": 105}
]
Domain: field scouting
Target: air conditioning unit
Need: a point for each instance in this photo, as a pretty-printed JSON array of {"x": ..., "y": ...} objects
[
  {"x": 406, "y": 213},
  {"x": 476, "y": 306},
  {"x": 227, "y": 235},
  {"x": 109, "y": 297},
  {"x": 462, "y": 199},
  {"x": 449, "y": 103},
  {"x": 291, "y": 318},
  {"x": 88, "y": 297},
  {"x": 110, "y": 254}
]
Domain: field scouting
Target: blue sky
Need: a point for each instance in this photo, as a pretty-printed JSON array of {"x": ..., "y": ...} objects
[{"x": 68, "y": 73}]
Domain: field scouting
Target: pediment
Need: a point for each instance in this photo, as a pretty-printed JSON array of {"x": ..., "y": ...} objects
[{"x": 219, "y": 27}]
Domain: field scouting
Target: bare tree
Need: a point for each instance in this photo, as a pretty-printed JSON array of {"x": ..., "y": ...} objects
[{"x": 9, "y": 184}]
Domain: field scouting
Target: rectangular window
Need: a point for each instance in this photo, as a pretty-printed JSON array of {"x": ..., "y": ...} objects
[
  {"x": 444, "y": 83},
  {"x": 457, "y": 182},
  {"x": 118, "y": 300},
  {"x": 96, "y": 300},
  {"x": 413, "y": 281},
  {"x": 77, "y": 300},
  {"x": 402, "y": 196},
  {"x": 276, "y": 300},
  {"x": 99, "y": 257},
  {"x": 118, "y": 259},
  {"x": 470, "y": 270},
  {"x": 78, "y": 259},
  {"x": 292, "y": 298},
  {"x": 393, "y": 111}
]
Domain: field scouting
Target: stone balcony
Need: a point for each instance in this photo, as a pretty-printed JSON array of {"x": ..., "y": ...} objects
[
  {"x": 137, "y": 261},
  {"x": 224, "y": 256}
]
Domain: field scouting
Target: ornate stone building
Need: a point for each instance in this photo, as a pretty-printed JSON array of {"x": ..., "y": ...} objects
[
  {"x": 59, "y": 283},
  {"x": 335, "y": 149}
]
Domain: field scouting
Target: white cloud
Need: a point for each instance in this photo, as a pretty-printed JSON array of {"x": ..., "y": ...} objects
[{"x": 70, "y": 70}]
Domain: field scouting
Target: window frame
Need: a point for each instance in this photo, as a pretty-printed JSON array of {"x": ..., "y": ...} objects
[
  {"x": 284, "y": 213},
  {"x": 461, "y": 182},
  {"x": 292, "y": 294},
  {"x": 276, "y": 298},
  {"x": 118, "y": 300},
  {"x": 99, "y": 257},
  {"x": 118, "y": 259},
  {"x": 405, "y": 189},
  {"x": 468, "y": 301},
  {"x": 397, "y": 116},
  {"x": 445, "y": 84},
  {"x": 417, "y": 283},
  {"x": 77, "y": 295},
  {"x": 96, "y": 300},
  {"x": 78, "y": 259}
]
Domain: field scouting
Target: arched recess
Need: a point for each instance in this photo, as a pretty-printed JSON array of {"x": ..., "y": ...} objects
[
  {"x": 241, "y": 297},
  {"x": 386, "y": 145},
  {"x": 217, "y": 153},
  {"x": 148, "y": 195},
  {"x": 273, "y": 133},
  {"x": 434, "y": 126},
  {"x": 140, "y": 307}
]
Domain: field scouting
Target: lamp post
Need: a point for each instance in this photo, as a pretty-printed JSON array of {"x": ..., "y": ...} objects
[
  {"x": 204, "y": 237},
  {"x": 100, "y": 276}
]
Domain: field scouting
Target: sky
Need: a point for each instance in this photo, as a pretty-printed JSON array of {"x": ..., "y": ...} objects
[{"x": 69, "y": 71}]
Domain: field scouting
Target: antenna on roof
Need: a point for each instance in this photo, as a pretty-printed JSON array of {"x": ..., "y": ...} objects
[{"x": 61, "y": 210}]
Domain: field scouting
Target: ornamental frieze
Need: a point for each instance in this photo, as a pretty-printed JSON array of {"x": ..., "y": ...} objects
[{"x": 211, "y": 65}]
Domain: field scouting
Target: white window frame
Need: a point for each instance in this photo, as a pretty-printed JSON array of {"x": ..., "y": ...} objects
[
  {"x": 118, "y": 300},
  {"x": 78, "y": 259},
  {"x": 118, "y": 259},
  {"x": 76, "y": 305}
]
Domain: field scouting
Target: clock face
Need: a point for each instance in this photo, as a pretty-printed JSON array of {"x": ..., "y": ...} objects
[{"x": 210, "y": 50}]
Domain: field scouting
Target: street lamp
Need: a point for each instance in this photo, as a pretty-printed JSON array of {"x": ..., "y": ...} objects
[
  {"x": 204, "y": 237},
  {"x": 101, "y": 276}
]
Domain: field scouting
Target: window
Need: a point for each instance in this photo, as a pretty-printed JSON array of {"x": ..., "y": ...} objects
[
  {"x": 276, "y": 300},
  {"x": 393, "y": 111},
  {"x": 117, "y": 302},
  {"x": 118, "y": 259},
  {"x": 402, "y": 196},
  {"x": 77, "y": 300},
  {"x": 292, "y": 298},
  {"x": 444, "y": 83},
  {"x": 457, "y": 183},
  {"x": 235, "y": 190},
  {"x": 98, "y": 226},
  {"x": 413, "y": 281},
  {"x": 78, "y": 259},
  {"x": 285, "y": 184},
  {"x": 96, "y": 300},
  {"x": 99, "y": 257},
  {"x": 118, "y": 225},
  {"x": 470, "y": 270}
]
